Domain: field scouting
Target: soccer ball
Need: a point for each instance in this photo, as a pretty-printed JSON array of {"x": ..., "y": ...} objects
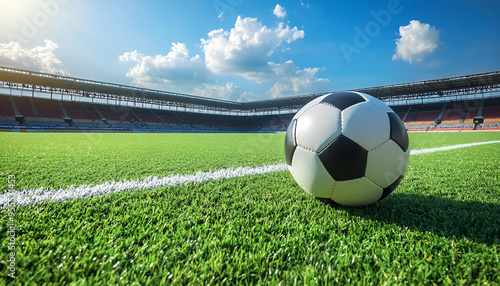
[{"x": 348, "y": 147}]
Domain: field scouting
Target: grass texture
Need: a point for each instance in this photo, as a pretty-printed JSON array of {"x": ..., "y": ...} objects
[
  {"x": 440, "y": 226},
  {"x": 54, "y": 160}
]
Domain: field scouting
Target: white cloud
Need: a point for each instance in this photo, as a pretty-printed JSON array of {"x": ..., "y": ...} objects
[
  {"x": 418, "y": 41},
  {"x": 39, "y": 58},
  {"x": 175, "y": 69},
  {"x": 228, "y": 92},
  {"x": 245, "y": 49},
  {"x": 279, "y": 11},
  {"x": 292, "y": 81},
  {"x": 243, "y": 52}
]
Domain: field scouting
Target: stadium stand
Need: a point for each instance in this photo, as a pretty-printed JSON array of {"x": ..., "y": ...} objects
[
  {"x": 456, "y": 115},
  {"x": 491, "y": 114},
  {"x": 76, "y": 111},
  {"x": 5, "y": 107},
  {"x": 71, "y": 104}
]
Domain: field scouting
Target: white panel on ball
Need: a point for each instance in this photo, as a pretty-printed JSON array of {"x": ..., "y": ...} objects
[
  {"x": 309, "y": 172},
  {"x": 317, "y": 127},
  {"x": 310, "y": 104},
  {"x": 358, "y": 192},
  {"x": 366, "y": 124},
  {"x": 407, "y": 158},
  {"x": 386, "y": 163},
  {"x": 375, "y": 101}
]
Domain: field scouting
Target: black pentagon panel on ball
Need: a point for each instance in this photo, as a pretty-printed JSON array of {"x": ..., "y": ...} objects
[
  {"x": 344, "y": 99},
  {"x": 290, "y": 142},
  {"x": 387, "y": 191},
  {"x": 398, "y": 131},
  {"x": 344, "y": 159}
]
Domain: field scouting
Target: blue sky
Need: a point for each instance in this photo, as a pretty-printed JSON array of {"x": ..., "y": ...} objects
[{"x": 250, "y": 50}]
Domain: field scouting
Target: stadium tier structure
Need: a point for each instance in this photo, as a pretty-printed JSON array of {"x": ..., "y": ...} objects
[{"x": 32, "y": 101}]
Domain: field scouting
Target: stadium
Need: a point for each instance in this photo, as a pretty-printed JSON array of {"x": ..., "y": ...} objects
[
  {"x": 33, "y": 101},
  {"x": 233, "y": 142},
  {"x": 87, "y": 202}
]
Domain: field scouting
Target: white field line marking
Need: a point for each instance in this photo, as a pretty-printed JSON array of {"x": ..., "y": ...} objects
[
  {"x": 445, "y": 148},
  {"x": 37, "y": 196}
]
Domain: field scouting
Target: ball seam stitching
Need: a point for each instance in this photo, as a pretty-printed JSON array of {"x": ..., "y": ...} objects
[
  {"x": 304, "y": 111},
  {"x": 331, "y": 192},
  {"x": 297, "y": 180},
  {"x": 379, "y": 145},
  {"x": 373, "y": 182}
]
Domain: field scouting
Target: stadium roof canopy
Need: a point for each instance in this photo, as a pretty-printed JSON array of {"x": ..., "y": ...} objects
[{"x": 89, "y": 88}]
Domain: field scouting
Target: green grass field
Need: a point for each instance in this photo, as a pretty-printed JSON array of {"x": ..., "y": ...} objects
[{"x": 440, "y": 226}]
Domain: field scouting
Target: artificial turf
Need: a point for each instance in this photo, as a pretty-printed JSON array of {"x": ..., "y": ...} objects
[
  {"x": 55, "y": 160},
  {"x": 440, "y": 226}
]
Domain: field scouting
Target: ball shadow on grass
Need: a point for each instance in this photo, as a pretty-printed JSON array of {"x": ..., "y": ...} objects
[{"x": 476, "y": 221}]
